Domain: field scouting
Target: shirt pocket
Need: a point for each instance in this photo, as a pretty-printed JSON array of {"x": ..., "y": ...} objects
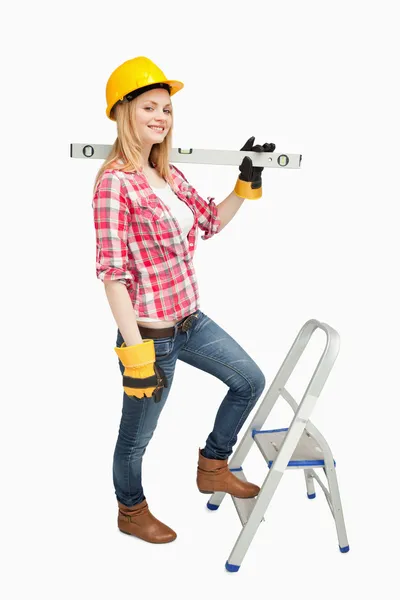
[
  {"x": 163, "y": 230},
  {"x": 149, "y": 219},
  {"x": 161, "y": 222},
  {"x": 150, "y": 211}
]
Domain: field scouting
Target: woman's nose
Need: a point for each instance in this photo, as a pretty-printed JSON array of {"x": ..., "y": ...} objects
[{"x": 161, "y": 116}]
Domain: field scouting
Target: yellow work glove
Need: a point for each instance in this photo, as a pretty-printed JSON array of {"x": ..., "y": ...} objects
[
  {"x": 249, "y": 182},
  {"x": 142, "y": 376}
]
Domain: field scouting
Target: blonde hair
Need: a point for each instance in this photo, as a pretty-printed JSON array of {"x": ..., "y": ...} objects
[{"x": 127, "y": 146}]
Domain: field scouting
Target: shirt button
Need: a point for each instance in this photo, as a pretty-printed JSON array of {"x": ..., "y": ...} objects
[{"x": 191, "y": 245}]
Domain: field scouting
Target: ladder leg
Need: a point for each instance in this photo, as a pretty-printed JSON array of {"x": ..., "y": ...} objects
[
  {"x": 249, "y": 530},
  {"x": 309, "y": 483},
  {"x": 215, "y": 500},
  {"x": 337, "y": 510}
]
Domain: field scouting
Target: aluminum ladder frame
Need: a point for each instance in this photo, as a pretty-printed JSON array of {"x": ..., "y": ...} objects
[{"x": 287, "y": 451}]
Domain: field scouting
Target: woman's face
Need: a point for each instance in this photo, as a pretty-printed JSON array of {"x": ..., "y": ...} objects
[{"x": 153, "y": 109}]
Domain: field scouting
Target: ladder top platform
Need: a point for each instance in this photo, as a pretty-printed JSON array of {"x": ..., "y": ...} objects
[{"x": 306, "y": 454}]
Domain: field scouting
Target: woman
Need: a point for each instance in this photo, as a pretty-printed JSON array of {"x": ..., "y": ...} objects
[{"x": 146, "y": 217}]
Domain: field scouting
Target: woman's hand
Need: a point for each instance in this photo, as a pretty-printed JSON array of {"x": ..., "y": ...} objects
[{"x": 249, "y": 183}]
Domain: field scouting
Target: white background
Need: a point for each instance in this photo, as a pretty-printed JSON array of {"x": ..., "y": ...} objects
[{"x": 313, "y": 77}]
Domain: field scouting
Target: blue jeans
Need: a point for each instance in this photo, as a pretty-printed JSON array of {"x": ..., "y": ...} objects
[{"x": 209, "y": 348}]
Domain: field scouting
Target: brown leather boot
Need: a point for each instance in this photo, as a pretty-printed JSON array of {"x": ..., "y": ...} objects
[
  {"x": 137, "y": 520},
  {"x": 214, "y": 476}
]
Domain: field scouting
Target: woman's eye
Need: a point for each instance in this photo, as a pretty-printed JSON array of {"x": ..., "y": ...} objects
[{"x": 151, "y": 108}]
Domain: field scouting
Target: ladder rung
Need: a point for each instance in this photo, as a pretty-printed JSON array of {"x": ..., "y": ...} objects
[{"x": 307, "y": 453}]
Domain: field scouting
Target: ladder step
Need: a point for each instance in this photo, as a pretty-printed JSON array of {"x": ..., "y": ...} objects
[
  {"x": 244, "y": 506},
  {"x": 307, "y": 453}
]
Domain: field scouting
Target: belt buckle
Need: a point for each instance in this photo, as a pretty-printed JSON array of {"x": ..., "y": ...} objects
[{"x": 187, "y": 323}]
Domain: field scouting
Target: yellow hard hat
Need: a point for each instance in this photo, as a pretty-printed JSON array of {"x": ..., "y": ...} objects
[{"x": 134, "y": 77}]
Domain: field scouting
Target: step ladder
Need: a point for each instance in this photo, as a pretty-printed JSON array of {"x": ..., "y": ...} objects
[{"x": 299, "y": 446}]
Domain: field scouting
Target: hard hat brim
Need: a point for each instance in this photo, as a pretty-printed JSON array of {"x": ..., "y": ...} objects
[{"x": 174, "y": 84}]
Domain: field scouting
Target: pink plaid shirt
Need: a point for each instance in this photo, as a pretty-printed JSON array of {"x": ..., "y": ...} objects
[{"x": 139, "y": 243}]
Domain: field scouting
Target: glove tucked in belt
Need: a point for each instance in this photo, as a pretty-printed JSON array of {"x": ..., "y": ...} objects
[{"x": 142, "y": 376}]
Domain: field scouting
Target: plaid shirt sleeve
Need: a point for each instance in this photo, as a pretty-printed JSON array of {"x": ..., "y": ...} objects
[
  {"x": 207, "y": 212},
  {"x": 208, "y": 218},
  {"x": 111, "y": 221}
]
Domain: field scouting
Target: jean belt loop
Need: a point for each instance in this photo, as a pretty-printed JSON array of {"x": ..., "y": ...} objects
[{"x": 175, "y": 332}]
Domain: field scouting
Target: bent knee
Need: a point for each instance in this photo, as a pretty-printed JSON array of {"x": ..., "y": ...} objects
[
  {"x": 258, "y": 382},
  {"x": 251, "y": 385}
]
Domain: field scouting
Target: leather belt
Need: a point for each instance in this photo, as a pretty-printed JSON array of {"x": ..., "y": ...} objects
[{"x": 152, "y": 333}]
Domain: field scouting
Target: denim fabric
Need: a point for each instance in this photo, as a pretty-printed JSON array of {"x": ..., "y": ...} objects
[{"x": 205, "y": 346}]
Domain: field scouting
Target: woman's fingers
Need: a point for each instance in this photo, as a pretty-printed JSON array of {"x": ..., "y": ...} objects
[
  {"x": 269, "y": 147},
  {"x": 249, "y": 144}
]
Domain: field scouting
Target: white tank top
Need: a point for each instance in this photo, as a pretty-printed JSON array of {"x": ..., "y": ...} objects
[{"x": 182, "y": 214}]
